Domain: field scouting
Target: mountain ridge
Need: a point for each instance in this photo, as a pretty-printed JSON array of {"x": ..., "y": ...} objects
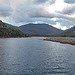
[
  {"x": 43, "y": 29},
  {"x": 69, "y": 32},
  {"x": 8, "y": 31},
  {"x": 40, "y": 29}
]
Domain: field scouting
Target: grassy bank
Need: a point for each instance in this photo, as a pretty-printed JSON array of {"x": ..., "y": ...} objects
[{"x": 66, "y": 40}]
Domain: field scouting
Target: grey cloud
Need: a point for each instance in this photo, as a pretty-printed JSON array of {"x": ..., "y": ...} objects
[
  {"x": 69, "y": 1},
  {"x": 5, "y": 12},
  {"x": 70, "y": 18},
  {"x": 52, "y": 1},
  {"x": 43, "y": 1},
  {"x": 65, "y": 16},
  {"x": 41, "y": 13},
  {"x": 69, "y": 9},
  {"x": 5, "y": 8},
  {"x": 40, "y": 1},
  {"x": 23, "y": 12}
]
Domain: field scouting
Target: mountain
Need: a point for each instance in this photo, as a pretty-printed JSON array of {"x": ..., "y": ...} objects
[
  {"x": 7, "y": 31},
  {"x": 39, "y": 29},
  {"x": 10, "y": 25},
  {"x": 2, "y": 24},
  {"x": 69, "y": 32}
]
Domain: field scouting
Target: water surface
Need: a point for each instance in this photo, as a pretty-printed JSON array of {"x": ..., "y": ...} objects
[{"x": 34, "y": 56}]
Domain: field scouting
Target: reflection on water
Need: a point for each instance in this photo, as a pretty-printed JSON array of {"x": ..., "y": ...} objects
[{"x": 34, "y": 56}]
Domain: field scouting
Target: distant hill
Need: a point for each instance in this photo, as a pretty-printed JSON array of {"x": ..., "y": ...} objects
[
  {"x": 69, "y": 32},
  {"x": 40, "y": 29},
  {"x": 7, "y": 31},
  {"x": 10, "y": 25}
]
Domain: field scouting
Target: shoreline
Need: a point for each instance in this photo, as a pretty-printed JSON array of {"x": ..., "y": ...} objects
[{"x": 65, "y": 40}]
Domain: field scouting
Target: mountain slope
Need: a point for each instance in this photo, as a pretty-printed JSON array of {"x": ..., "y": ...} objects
[
  {"x": 39, "y": 29},
  {"x": 10, "y": 25},
  {"x": 69, "y": 32},
  {"x": 7, "y": 31}
]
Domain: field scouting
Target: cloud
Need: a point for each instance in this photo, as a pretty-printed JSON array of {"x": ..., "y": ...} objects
[
  {"x": 40, "y": 1},
  {"x": 5, "y": 8},
  {"x": 52, "y": 1},
  {"x": 25, "y": 11},
  {"x": 69, "y": 1},
  {"x": 43, "y": 1},
  {"x": 69, "y": 9},
  {"x": 65, "y": 22},
  {"x": 64, "y": 28},
  {"x": 43, "y": 20}
]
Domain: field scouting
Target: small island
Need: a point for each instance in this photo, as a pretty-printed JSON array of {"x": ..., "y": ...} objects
[{"x": 66, "y": 40}]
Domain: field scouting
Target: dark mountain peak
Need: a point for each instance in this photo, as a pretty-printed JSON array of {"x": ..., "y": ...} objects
[{"x": 39, "y": 29}]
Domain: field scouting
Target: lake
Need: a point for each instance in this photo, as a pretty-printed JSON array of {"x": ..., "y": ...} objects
[{"x": 34, "y": 56}]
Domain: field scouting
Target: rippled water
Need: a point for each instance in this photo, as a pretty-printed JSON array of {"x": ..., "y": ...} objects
[{"x": 34, "y": 56}]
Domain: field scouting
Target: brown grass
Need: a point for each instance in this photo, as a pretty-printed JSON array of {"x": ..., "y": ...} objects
[{"x": 68, "y": 40}]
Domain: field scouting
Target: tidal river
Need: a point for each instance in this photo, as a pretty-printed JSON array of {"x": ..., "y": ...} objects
[{"x": 34, "y": 56}]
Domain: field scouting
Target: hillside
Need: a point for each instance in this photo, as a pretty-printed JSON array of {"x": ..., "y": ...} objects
[
  {"x": 7, "y": 31},
  {"x": 69, "y": 32},
  {"x": 10, "y": 25},
  {"x": 40, "y": 29}
]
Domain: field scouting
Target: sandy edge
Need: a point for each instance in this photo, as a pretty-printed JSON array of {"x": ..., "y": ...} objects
[{"x": 65, "y": 40}]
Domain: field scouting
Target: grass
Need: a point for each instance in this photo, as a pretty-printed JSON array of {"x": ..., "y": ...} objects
[{"x": 66, "y": 40}]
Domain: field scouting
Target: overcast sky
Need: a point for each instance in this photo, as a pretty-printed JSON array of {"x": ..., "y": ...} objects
[{"x": 58, "y": 13}]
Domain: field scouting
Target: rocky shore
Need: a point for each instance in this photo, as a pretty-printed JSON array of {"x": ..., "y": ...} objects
[{"x": 66, "y": 40}]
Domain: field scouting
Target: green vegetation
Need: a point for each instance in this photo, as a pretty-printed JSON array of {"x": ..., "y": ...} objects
[
  {"x": 10, "y": 32},
  {"x": 7, "y": 31}
]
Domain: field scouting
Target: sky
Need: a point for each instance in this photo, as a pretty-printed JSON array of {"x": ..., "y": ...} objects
[{"x": 58, "y": 13}]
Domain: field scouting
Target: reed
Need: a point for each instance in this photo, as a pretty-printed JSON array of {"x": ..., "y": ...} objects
[{"x": 66, "y": 40}]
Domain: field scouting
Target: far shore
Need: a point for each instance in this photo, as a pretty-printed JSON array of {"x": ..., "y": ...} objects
[{"x": 66, "y": 40}]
